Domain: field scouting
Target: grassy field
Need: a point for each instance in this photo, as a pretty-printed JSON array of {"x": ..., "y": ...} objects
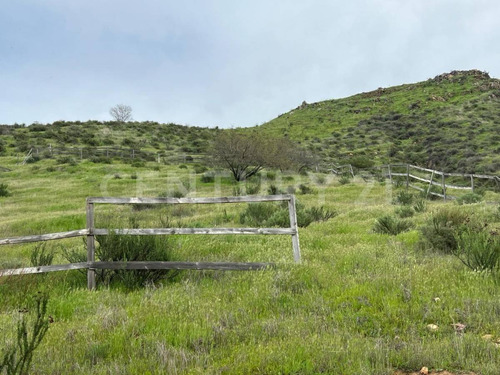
[{"x": 359, "y": 303}]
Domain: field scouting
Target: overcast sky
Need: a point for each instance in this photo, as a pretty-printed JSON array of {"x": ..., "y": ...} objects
[{"x": 227, "y": 63}]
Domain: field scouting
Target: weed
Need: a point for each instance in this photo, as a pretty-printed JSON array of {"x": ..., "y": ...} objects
[
  {"x": 391, "y": 225},
  {"x": 420, "y": 206},
  {"x": 208, "y": 177},
  {"x": 40, "y": 256},
  {"x": 17, "y": 358},
  {"x": 469, "y": 198},
  {"x": 4, "y": 190},
  {"x": 404, "y": 212},
  {"x": 440, "y": 231},
  {"x": 305, "y": 189},
  {"x": 404, "y": 198},
  {"x": 478, "y": 250},
  {"x": 344, "y": 180}
]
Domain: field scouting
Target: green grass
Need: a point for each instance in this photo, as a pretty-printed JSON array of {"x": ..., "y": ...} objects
[{"x": 358, "y": 304}]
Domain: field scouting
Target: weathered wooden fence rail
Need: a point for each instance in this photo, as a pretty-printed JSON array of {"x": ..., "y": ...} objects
[
  {"x": 388, "y": 171},
  {"x": 90, "y": 232}
]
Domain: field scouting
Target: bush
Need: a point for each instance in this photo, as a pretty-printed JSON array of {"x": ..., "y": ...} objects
[
  {"x": 344, "y": 180},
  {"x": 270, "y": 175},
  {"x": 391, "y": 225},
  {"x": 114, "y": 247},
  {"x": 183, "y": 166},
  {"x": 200, "y": 169},
  {"x": 469, "y": 198},
  {"x": 253, "y": 189},
  {"x": 277, "y": 215},
  {"x": 273, "y": 190},
  {"x": 439, "y": 233},
  {"x": 40, "y": 256},
  {"x": 404, "y": 212},
  {"x": 16, "y": 359},
  {"x": 305, "y": 189},
  {"x": 404, "y": 198},
  {"x": 208, "y": 177},
  {"x": 478, "y": 250},
  {"x": 4, "y": 190},
  {"x": 420, "y": 206},
  {"x": 133, "y": 176}
]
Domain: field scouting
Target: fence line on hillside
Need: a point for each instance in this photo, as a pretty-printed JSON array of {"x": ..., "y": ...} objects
[
  {"x": 90, "y": 232},
  {"x": 388, "y": 171},
  {"x": 111, "y": 152}
]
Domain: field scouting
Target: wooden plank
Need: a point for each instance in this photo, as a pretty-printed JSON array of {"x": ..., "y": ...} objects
[
  {"x": 425, "y": 169},
  {"x": 293, "y": 227},
  {"x": 43, "y": 269},
  {"x": 91, "y": 283},
  {"x": 398, "y": 174},
  {"x": 206, "y": 200},
  {"x": 44, "y": 237},
  {"x": 181, "y": 266},
  {"x": 214, "y": 231}
]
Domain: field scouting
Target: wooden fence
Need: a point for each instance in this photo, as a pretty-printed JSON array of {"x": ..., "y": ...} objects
[
  {"x": 437, "y": 178},
  {"x": 90, "y": 232},
  {"x": 111, "y": 152}
]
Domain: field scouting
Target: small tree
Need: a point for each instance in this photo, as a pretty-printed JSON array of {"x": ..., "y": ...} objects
[
  {"x": 121, "y": 113},
  {"x": 246, "y": 154}
]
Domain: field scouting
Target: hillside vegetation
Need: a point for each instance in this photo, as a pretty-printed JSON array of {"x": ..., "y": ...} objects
[{"x": 450, "y": 122}]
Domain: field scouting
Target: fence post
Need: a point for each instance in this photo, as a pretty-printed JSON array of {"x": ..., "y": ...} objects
[
  {"x": 472, "y": 183},
  {"x": 90, "y": 246},
  {"x": 430, "y": 185},
  {"x": 390, "y": 174},
  {"x": 293, "y": 225},
  {"x": 444, "y": 186}
]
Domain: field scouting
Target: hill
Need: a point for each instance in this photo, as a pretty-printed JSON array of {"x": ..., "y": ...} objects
[{"x": 450, "y": 122}]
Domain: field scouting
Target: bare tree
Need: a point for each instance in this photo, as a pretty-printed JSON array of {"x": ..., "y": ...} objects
[{"x": 121, "y": 112}]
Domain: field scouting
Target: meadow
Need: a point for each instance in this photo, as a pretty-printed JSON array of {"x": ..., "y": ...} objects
[{"x": 359, "y": 303}]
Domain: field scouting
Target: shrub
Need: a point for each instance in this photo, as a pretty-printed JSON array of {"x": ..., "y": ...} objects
[
  {"x": 440, "y": 231},
  {"x": 273, "y": 190},
  {"x": 253, "y": 189},
  {"x": 200, "y": 168},
  {"x": 391, "y": 225},
  {"x": 305, "y": 189},
  {"x": 277, "y": 215},
  {"x": 478, "y": 250},
  {"x": 320, "y": 179},
  {"x": 291, "y": 189},
  {"x": 183, "y": 166},
  {"x": 40, "y": 256},
  {"x": 403, "y": 198},
  {"x": 208, "y": 177},
  {"x": 469, "y": 198},
  {"x": 133, "y": 176},
  {"x": 4, "y": 190},
  {"x": 420, "y": 206},
  {"x": 16, "y": 359},
  {"x": 270, "y": 175},
  {"x": 114, "y": 247},
  {"x": 178, "y": 194},
  {"x": 65, "y": 160},
  {"x": 344, "y": 180},
  {"x": 404, "y": 212}
]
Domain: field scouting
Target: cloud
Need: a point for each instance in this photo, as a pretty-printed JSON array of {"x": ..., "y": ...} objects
[{"x": 227, "y": 63}]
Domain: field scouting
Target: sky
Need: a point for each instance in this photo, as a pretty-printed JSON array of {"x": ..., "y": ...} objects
[{"x": 227, "y": 63}]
